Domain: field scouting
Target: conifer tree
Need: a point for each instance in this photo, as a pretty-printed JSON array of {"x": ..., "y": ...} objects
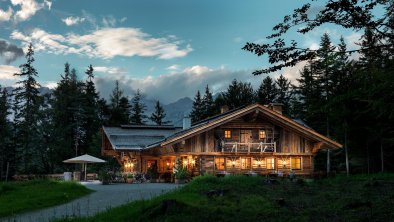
[
  {"x": 208, "y": 103},
  {"x": 283, "y": 93},
  {"x": 91, "y": 121},
  {"x": 238, "y": 94},
  {"x": 6, "y": 148},
  {"x": 159, "y": 114},
  {"x": 119, "y": 107},
  {"x": 267, "y": 91},
  {"x": 26, "y": 108},
  {"x": 68, "y": 115},
  {"x": 137, "y": 115},
  {"x": 197, "y": 112}
]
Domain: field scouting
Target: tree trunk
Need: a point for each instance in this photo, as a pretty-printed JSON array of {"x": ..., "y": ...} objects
[
  {"x": 328, "y": 162},
  {"x": 381, "y": 155},
  {"x": 367, "y": 158},
  {"x": 346, "y": 154},
  {"x": 6, "y": 173}
]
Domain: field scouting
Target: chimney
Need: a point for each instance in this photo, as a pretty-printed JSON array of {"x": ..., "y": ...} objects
[
  {"x": 277, "y": 107},
  {"x": 223, "y": 109},
  {"x": 187, "y": 122}
]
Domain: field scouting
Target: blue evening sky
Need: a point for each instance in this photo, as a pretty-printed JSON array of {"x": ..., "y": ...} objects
[{"x": 168, "y": 49}]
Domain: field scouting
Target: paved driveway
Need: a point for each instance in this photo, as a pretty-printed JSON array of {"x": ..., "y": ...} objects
[{"x": 106, "y": 196}]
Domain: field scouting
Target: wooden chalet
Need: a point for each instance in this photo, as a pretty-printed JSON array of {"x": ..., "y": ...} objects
[{"x": 254, "y": 139}]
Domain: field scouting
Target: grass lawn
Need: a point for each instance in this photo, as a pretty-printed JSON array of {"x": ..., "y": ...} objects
[
  {"x": 240, "y": 198},
  {"x": 16, "y": 197}
]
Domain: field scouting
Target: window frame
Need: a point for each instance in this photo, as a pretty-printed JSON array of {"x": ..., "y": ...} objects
[
  {"x": 296, "y": 165},
  {"x": 265, "y": 134},
  {"x": 227, "y": 136},
  {"x": 270, "y": 166}
]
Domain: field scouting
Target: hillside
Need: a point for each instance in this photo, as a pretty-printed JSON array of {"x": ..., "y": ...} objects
[{"x": 241, "y": 198}]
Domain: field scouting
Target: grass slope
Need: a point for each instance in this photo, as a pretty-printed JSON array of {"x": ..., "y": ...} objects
[
  {"x": 17, "y": 197},
  {"x": 238, "y": 198}
]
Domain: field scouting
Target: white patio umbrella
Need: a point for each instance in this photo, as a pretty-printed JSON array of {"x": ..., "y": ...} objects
[{"x": 84, "y": 160}]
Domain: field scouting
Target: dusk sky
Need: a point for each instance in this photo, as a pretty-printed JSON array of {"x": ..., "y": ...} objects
[{"x": 168, "y": 49}]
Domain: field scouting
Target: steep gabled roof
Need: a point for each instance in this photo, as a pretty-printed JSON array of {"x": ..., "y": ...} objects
[{"x": 273, "y": 116}]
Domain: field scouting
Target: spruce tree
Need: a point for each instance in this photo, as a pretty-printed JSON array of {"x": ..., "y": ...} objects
[
  {"x": 91, "y": 121},
  {"x": 68, "y": 108},
  {"x": 208, "y": 103},
  {"x": 118, "y": 108},
  {"x": 267, "y": 91},
  {"x": 283, "y": 93},
  {"x": 137, "y": 116},
  {"x": 238, "y": 94},
  {"x": 26, "y": 108},
  {"x": 159, "y": 114},
  {"x": 197, "y": 112},
  {"x": 6, "y": 148}
]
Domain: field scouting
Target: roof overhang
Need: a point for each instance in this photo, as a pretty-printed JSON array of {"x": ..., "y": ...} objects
[{"x": 275, "y": 117}]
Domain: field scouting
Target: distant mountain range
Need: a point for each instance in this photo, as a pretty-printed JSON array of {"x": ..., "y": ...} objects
[{"x": 174, "y": 111}]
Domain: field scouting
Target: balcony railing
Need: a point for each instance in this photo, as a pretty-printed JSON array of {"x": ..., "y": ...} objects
[{"x": 235, "y": 147}]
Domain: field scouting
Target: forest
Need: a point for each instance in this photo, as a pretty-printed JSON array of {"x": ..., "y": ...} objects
[{"x": 347, "y": 95}]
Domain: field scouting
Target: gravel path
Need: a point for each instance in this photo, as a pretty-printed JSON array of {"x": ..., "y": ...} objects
[{"x": 105, "y": 197}]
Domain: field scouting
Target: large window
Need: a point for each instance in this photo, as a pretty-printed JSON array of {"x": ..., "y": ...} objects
[
  {"x": 219, "y": 163},
  {"x": 296, "y": 163},
  {"x": 227, "y": 134},
  {"x": 245, "y": 163},
  {"x": 270, "y": 163}
]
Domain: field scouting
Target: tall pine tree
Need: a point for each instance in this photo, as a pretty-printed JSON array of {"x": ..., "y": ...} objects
[
  {"x": 119, "y": 107},
  {"x": 208, "y": 103},
  {"x": 283, "y": 93},
  {"x": 6, "y": 149},
  {"x": 159, "y": 114},
  {"x": 137, "y": 110},
  {"x": 197, "y": 112},
  {"x": 267, "y": 91},
  {"x": 26, "y": 108}
]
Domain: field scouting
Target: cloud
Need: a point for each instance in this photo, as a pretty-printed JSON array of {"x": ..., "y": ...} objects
[
  {"x": 49, "y": 84},
  {"x": 9, "y": 52},
  {"x": 105, "y": 43},
  {"x": 48, "y": 4},
  {"x": 28, "y": 8},
  {"x": 170, "y": 87},
  {"x": 73, "y": 20},
  {"x": 173, "y": 67},
  {"x": 109, "y": 21},
  {"x": 5, "y": 15},
  {"x": 7, "y": 77},
  {"x": 123, "y": 19},
  {"x": 292, "y": 73},
  {"x": 109, "y": 70},
  {"x": 197, "y": 70}
]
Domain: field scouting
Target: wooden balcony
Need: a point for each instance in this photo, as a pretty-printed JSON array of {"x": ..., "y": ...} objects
[{"x": 235, "y": 147}]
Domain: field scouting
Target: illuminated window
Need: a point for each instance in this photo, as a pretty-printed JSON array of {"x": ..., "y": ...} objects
[
  {"x": 261, "y": 134},
  {"x": 270, "y": 163},
  {"x": 296, "y": 163},
  {"x": 245, "y": 163},
  {"x": 227, "y": 134},
  {"x": 219, "y": 163}
]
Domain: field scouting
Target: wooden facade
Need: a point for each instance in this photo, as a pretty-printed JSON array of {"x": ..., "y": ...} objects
[{"x": 256, "y": 139}]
